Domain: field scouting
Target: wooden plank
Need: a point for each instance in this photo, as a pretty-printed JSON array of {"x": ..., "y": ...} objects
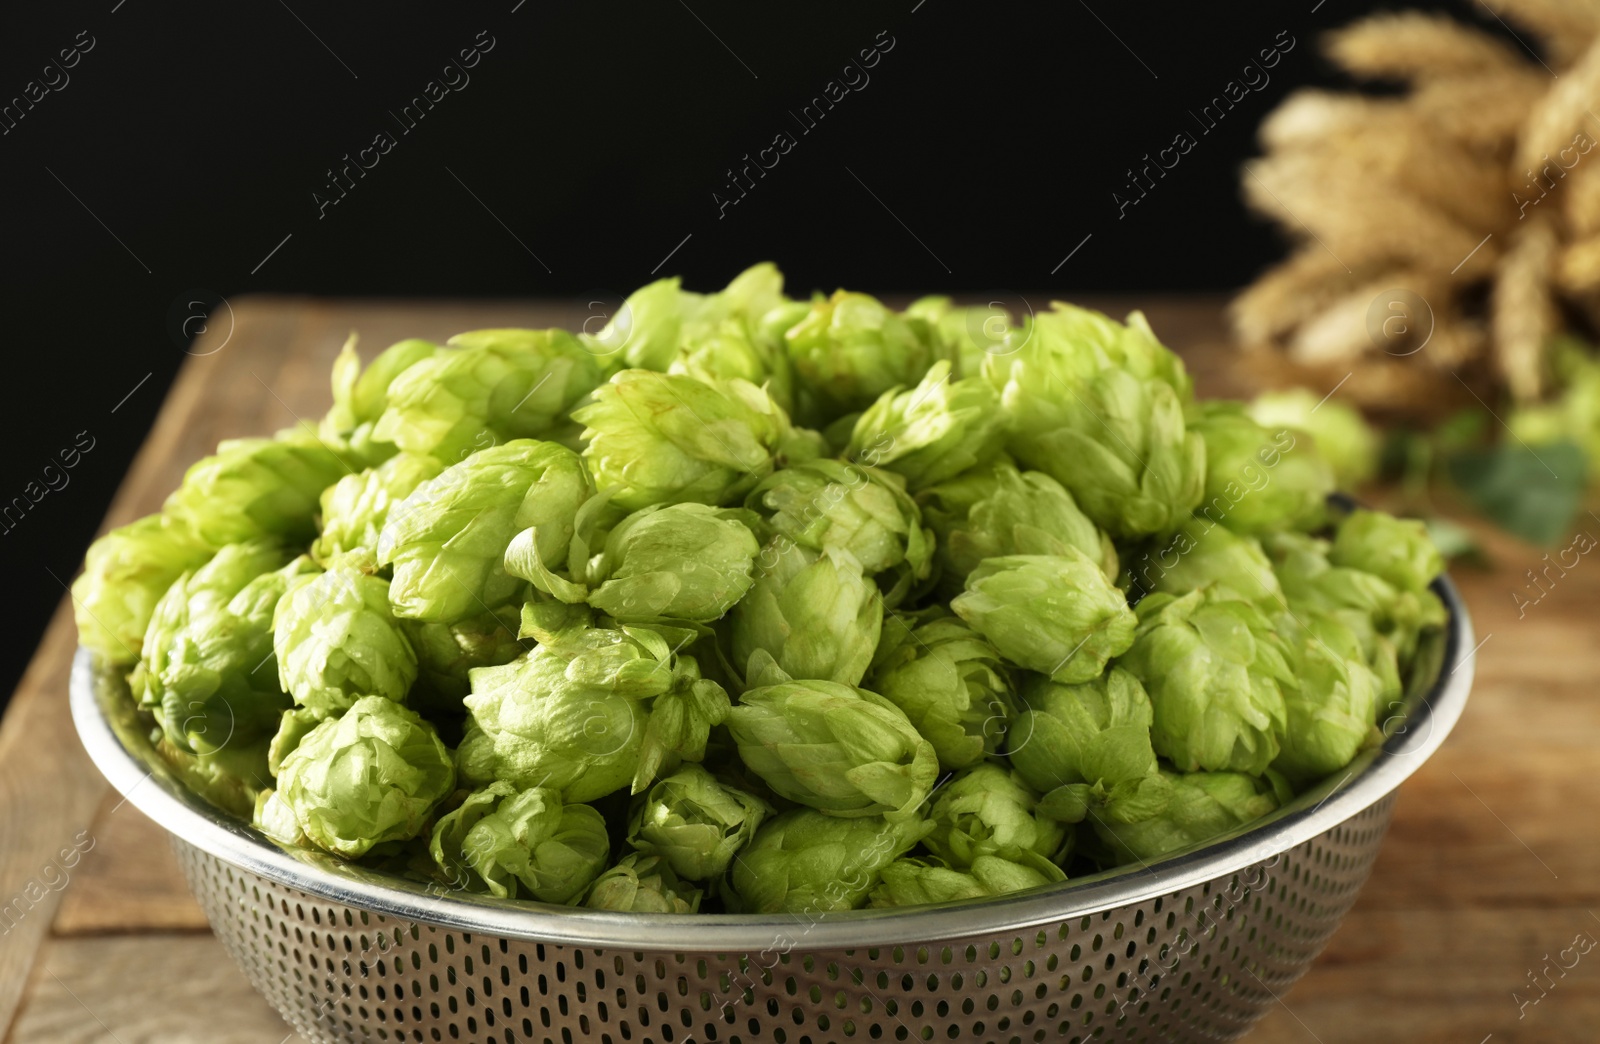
[
  {"x": 129, "y": 881},
  {"x": 1453, "y": 976},
  {"x": 48, "y": 792},
  {"x": 149, "y": 989},
  {"x": 1518, "y": 846}
]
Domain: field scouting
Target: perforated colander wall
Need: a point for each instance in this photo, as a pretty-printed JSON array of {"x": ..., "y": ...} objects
[{"x": 1200, "y": 964}]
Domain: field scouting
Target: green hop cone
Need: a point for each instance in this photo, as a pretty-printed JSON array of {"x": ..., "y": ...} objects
[
  {"x": 1098, "y": 731},
  {"x": 357, "y": 450},
  {"x": 829, "y": 505},
  {"x": 1334, "y": 700},
  {"x": 836, "y": 438},
  {"x": 933, "y": 431},
  {"x": 1361, "y": 601},
  {"x": 273, "y": 817},
  {"x": 1259, "y": 479},
  {"x": 1087, "y": 749},
  {"x": 563, "y": 370},
  {"x": 749, "y": 296},
  {"x": 125, "y": 573},
  {"x": 1037, "y": 365},
  {"x": 805, "y": 861},
  {"x": 988, "y": 810},
  {"x": 294, "y": 725},
  {"x": 845, "y": 751},
  {"x": 932, "y": 309},
  {"x": 918, "y": 882},
  {"x": 851, "y": 349},
  {"x": 642, "y": 884},
  {"x": 1342, "y": 436},
  {"x": 370, "y": 776},
  {"x": 723, "y": 762},
  {"x": 1215, "y": 668},
  {"x": 1099, "y": 406},
  {"x": 995, "y": 511},
  {"x": 687, "y": 562},
  {"x": 1055, "y": 614},
  {"x": 968, "y": 335},
  {"x": 255, "y": 489},
  {"x": 946, "y": 505},
  {"x": 1390, "y": 620},
  {"x": 660, "y": 319},
  {"x": 447, "y": 539},
  {"x": 490, "y": 386},
  {"x": 645, "y": 332},
  {"x": 337, "y": 640},
  {"x": 360, "y": 395},
  {"x": 776, "y": 323},
  {"x": 1396, "y": 550},
  {"x": 230, "y": 777},
  {"x": 210, "y": 587},
  {"x": 949, "y": 681},
  {"x": 680, "y": 722},
  {"x": 551, "y": 622},
  {"x": 1125, "y": 801},
  {"x": 695, "y": 823},
  {"x": 668, "y": 439},
  {"x": 207, "y": 672},
  {"x": 1125, "y": 456},
  {"x": 570, "y": 717},
  {"x": 447, "y": 653},
  {"x": 1200, "y": 553},
  {"x": 779, "y": 319},
  {"x": 812, "y": 615},
  {"x": 355, "y": 507},
  {"x": 1200, "y": 806},
  {"x": 730, "y": 351},
  {"x": 509, "y": 843}
]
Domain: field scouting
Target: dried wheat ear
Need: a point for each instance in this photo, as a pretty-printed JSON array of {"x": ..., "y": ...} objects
[{"x": 1471, "y": 190}]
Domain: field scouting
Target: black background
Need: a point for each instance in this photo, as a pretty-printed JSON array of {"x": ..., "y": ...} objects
[{"x": 191, "y": 138}]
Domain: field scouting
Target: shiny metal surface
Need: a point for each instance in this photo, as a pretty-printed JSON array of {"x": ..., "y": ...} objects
[{"x": 1193, "y": 947}]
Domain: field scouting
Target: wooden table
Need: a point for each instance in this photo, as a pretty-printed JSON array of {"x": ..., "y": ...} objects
[{"x": 1491, "y": 870}]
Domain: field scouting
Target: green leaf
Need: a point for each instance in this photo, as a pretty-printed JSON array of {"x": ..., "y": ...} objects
[{"x": 1533, "y": 494}]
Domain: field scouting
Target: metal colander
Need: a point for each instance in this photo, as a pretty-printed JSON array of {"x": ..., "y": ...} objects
[{"x": 1195, "y": 947}]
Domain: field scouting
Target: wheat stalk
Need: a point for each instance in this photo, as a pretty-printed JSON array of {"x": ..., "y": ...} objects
[
  {"x": 1522, "y": 310},
  {"x": 1403, "y": 152},
  {"x": 1308, "y": 115},
  {"x": 1564, "y": 27},
  {"x": 1415, "y": 46},
  {"x": 1483, "y": 112},
  {"x": 1362, "y": 322},
  {"x": 1578, "y": 267},
  {"x": 1561, "y": 113},
  {"x": 1456, "y": 341},
  {"x": 1362, "y": 222},
  {"x": 1289, "y": 294},
  {"x": 1580, "y": 202}
]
